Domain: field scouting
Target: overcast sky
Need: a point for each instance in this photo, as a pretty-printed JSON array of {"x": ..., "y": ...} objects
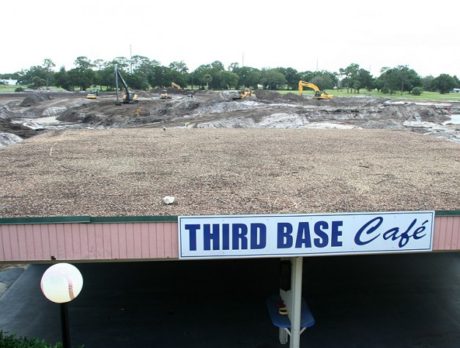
[{"x": 303, "y": 34}]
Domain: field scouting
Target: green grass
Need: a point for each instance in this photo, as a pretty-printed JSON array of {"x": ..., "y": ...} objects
[
  {"x": 425, "y": 96},
  {"x": 8, "y": 88},
  {"x": 11, "y": 88}
]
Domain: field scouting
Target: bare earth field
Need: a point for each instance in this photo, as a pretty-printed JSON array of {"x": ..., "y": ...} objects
[
  {"x": 282, "y": 153},
  {"x": 227, "y": 171}
]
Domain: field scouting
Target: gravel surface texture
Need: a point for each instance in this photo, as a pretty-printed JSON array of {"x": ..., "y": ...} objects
[{"x": 118, "y": 172}]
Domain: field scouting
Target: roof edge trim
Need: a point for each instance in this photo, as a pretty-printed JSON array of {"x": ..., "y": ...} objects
[{"x": 121, "y": 219}]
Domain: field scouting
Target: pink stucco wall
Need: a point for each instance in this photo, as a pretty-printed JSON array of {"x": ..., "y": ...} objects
[{"x": 131, "y": 241}]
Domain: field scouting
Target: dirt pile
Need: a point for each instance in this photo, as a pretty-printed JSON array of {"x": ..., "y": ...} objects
[
  {"x": 34, "y": 99},
  {"x": 6, "y": 126},
  {"x": 271, "y": 96},
  {"x": 169, "y": 90},
  {"x": 268, "y": 110},
  {"x": 8, "y": 139},
  {"x": 207, "y": 109},
  {"x": 3, "y": 112}
]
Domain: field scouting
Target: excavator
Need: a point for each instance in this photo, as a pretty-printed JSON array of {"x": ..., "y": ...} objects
[
  {"x": 129, "y": 97},
  {"x": 242, "y": 94},
  {"x": 165, "y": 95},
  {"x": 319, "y": 94},
  {"x": 247, "y": 92}
]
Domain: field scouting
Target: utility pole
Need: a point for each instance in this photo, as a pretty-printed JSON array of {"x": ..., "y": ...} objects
[
  {"x": 116, "y": 83},
  {"x": 130, "y": 58}
]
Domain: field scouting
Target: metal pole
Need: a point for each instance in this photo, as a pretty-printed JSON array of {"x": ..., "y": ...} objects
[
  {"x": 296, "y": 301},
  {"x": 65, "y": 326},
  {"x": 116, "y": 81},
  {"x": 130, "y": 58}
]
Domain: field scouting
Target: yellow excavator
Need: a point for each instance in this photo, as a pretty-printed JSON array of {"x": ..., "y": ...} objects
[
  {"x": 319, "y": 94},
  {"x": 164, "y": 94},
  {"x": 247, "y": 92},
  {"x": 242, "y": 94}
]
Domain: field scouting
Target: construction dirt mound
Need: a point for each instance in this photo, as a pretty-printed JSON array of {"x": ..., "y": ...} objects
[
  {"x": 209, "y": 109},
  {"x": 18, "y": 129},
  {"x": 271, "y": 96},
  {"x": 34, "y": 99}
]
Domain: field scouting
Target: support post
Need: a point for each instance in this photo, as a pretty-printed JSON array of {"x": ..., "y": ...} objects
[
  {"x": 65, "y": 325},
  {"x": 296, "y": 301}
]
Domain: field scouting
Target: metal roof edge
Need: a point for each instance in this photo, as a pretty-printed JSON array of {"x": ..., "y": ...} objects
[
  {"x": 133, "y": 219},
  {"x": 447, "y": 213},
  {"x": 84, "y": 219},
  {"x": 122, "y": 219}
]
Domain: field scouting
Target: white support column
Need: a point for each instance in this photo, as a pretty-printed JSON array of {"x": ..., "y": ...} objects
[{"x": 296, "y": 301}]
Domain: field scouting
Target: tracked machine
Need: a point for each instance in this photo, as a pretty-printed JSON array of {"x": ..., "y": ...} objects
[
  {"x": 319, "y": 94},
  {"x": 128, "y": 97}
]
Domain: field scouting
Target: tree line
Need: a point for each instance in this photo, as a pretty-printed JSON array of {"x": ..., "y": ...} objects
[{"x": 143, "y": 73}]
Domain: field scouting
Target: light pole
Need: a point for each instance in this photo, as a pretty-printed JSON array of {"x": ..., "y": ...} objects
[{"x": 61, "y": 283}]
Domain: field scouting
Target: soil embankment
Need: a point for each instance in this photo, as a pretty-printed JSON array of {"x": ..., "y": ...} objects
[{"x": 28, "y": 115}]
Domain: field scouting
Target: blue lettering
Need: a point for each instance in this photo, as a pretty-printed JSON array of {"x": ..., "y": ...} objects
[
  {"x": 391, "y": 233},
  {"x": 420, "y": 229},
  {"x": 285, "y": 239},
  {"x": 258, "y": 236},
  {"x": 239, "y": 234},
  {"x": 303, "y": 238},
  {"x": 368, "y": 230},
  {"x": 225, "y": 237},
  {"x": 336, "y": 233},
  {"x": 405, "y": 237},
  {"x": 211, "y": 236},
  {"x": 192, "y": 228},
  {"x": 323, "y": 238}
]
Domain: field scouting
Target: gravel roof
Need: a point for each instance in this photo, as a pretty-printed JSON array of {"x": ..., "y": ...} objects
[{"x": 118, "y": 172}]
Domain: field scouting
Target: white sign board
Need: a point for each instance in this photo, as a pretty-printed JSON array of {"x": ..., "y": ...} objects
[{"x": 211, "y": 237}]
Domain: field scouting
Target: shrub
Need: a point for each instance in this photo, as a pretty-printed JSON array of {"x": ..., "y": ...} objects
[
  {"x": 11, "y": 341},
  {"x": 19, "y": 89},
  {"x": 416, "y": 91}
]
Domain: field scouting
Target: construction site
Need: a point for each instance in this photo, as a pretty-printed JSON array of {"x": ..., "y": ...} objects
[
  {"x": 103, "y": 181},
  {"x": 26, "y": 115},
  {"x": 156, "y": 138}
]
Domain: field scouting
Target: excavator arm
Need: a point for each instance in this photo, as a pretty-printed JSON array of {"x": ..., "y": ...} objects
[
  {"x": 319, "y": 94},
  {"x": 129, "y": 97},
  {"x": 303, "y": 84}
]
